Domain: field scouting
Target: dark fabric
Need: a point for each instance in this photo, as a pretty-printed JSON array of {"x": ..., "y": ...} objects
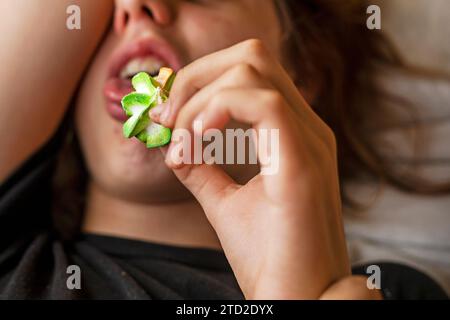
[
  {"x": 34, "y": 261},
  {"x": 114, "y": 268},
  {"x": 400, "y": 282}
]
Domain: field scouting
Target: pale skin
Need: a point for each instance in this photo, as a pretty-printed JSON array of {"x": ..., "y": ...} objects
[
  {"x": 31, "y": 86},
  {"x": 304, "y": 210},
  {"x": 282, "y": 243}
]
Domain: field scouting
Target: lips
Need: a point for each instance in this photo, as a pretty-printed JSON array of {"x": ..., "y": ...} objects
[
  {"x": 116, "y": 86},
  {"x": 114, "y": 90}
]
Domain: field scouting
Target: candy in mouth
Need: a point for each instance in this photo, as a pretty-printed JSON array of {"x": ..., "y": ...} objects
[
  {"x": 149, "y": 92},
  {"x": 148, "y": 64}
]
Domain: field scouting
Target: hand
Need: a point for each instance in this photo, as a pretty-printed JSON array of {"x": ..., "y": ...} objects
[{"x": 281, "y": 233}]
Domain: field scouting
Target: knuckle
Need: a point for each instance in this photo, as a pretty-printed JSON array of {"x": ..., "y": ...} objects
[
  {"x": 330, "y": 138},
  {"x": 273, "y": 100},
  {"x": 217, "y": 100},
  {"x": 181, "y": 75},
  {"x": 179, "y": 84},
  {"x": 244, "y": 70},
  {"x": 184, "y": 113},
  {"x": 243, "y": 73},
  {"x": 255, "y": 48}
]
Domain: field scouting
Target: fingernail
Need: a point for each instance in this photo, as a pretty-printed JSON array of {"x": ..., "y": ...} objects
[
  {"x": 165, "y": 113},
  {"x": 155, "y": 113}
]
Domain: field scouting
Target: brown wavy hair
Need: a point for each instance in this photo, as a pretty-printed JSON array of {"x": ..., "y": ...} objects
[{"x": 326, "y": 42}]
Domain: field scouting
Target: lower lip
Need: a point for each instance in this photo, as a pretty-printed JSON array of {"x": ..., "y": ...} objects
[
  {"x": 114, "y": 90},
  {"x": 115, "y": 110}
]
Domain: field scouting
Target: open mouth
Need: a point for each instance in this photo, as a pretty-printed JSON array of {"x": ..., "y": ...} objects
[
  {"x": 146, "y": 55},
  {"x": 149, "y": 64}
]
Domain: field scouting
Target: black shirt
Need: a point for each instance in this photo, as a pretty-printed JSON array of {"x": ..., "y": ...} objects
[{"x": 34, "y": 261}]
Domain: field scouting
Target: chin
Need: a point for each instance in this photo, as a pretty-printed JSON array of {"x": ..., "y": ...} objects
[
  {"x": 134, "y": 173},
  {"x": 150, "y": 192}
]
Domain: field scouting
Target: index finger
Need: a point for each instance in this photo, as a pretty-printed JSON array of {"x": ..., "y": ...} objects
[{"x": 203, "y": 71}]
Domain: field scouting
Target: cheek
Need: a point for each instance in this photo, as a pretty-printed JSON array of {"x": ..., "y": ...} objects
[
  {"x": 203, "y": 33},
  {"x": 90, "y": 114},
  {"x": 99, "y": 134},
  {"x": 89, "y": 119}
]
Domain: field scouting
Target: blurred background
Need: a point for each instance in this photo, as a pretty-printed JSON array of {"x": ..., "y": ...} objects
[
  {"x": 421, "y": 29},
  {"x": 402, "y": 227}
]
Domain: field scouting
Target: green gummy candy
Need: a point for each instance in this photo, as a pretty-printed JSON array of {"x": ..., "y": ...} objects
[
  {"x": 159, "y": 136},
  {"x": 155, "y": 135},
  {"x": 169, "y": 84},
  {"x": 143, "y": 122},
  {"x": 145, "y": 84},
  {"x": 133, "y": 126},
  {"x": 137, "y": 104},
  {"x": 134, "y": 102}
]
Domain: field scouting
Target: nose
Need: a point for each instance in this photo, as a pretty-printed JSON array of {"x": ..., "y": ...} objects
[{"x": 128, "y": 11}]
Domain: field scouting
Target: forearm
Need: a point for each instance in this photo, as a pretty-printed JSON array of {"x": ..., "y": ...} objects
[{"x": 42, "y": 61}]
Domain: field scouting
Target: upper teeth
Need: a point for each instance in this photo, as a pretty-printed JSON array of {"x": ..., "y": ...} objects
[{"x": 151, "y": 65}]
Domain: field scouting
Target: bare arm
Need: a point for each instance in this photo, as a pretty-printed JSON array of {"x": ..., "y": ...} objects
[{"x": 41, "y": 62}]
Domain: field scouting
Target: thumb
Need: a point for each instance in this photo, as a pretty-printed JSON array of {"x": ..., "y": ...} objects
[{"x": 209, "y": 184}]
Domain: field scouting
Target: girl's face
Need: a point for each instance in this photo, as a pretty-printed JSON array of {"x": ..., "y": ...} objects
[{"x": 148, "y": 34}]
